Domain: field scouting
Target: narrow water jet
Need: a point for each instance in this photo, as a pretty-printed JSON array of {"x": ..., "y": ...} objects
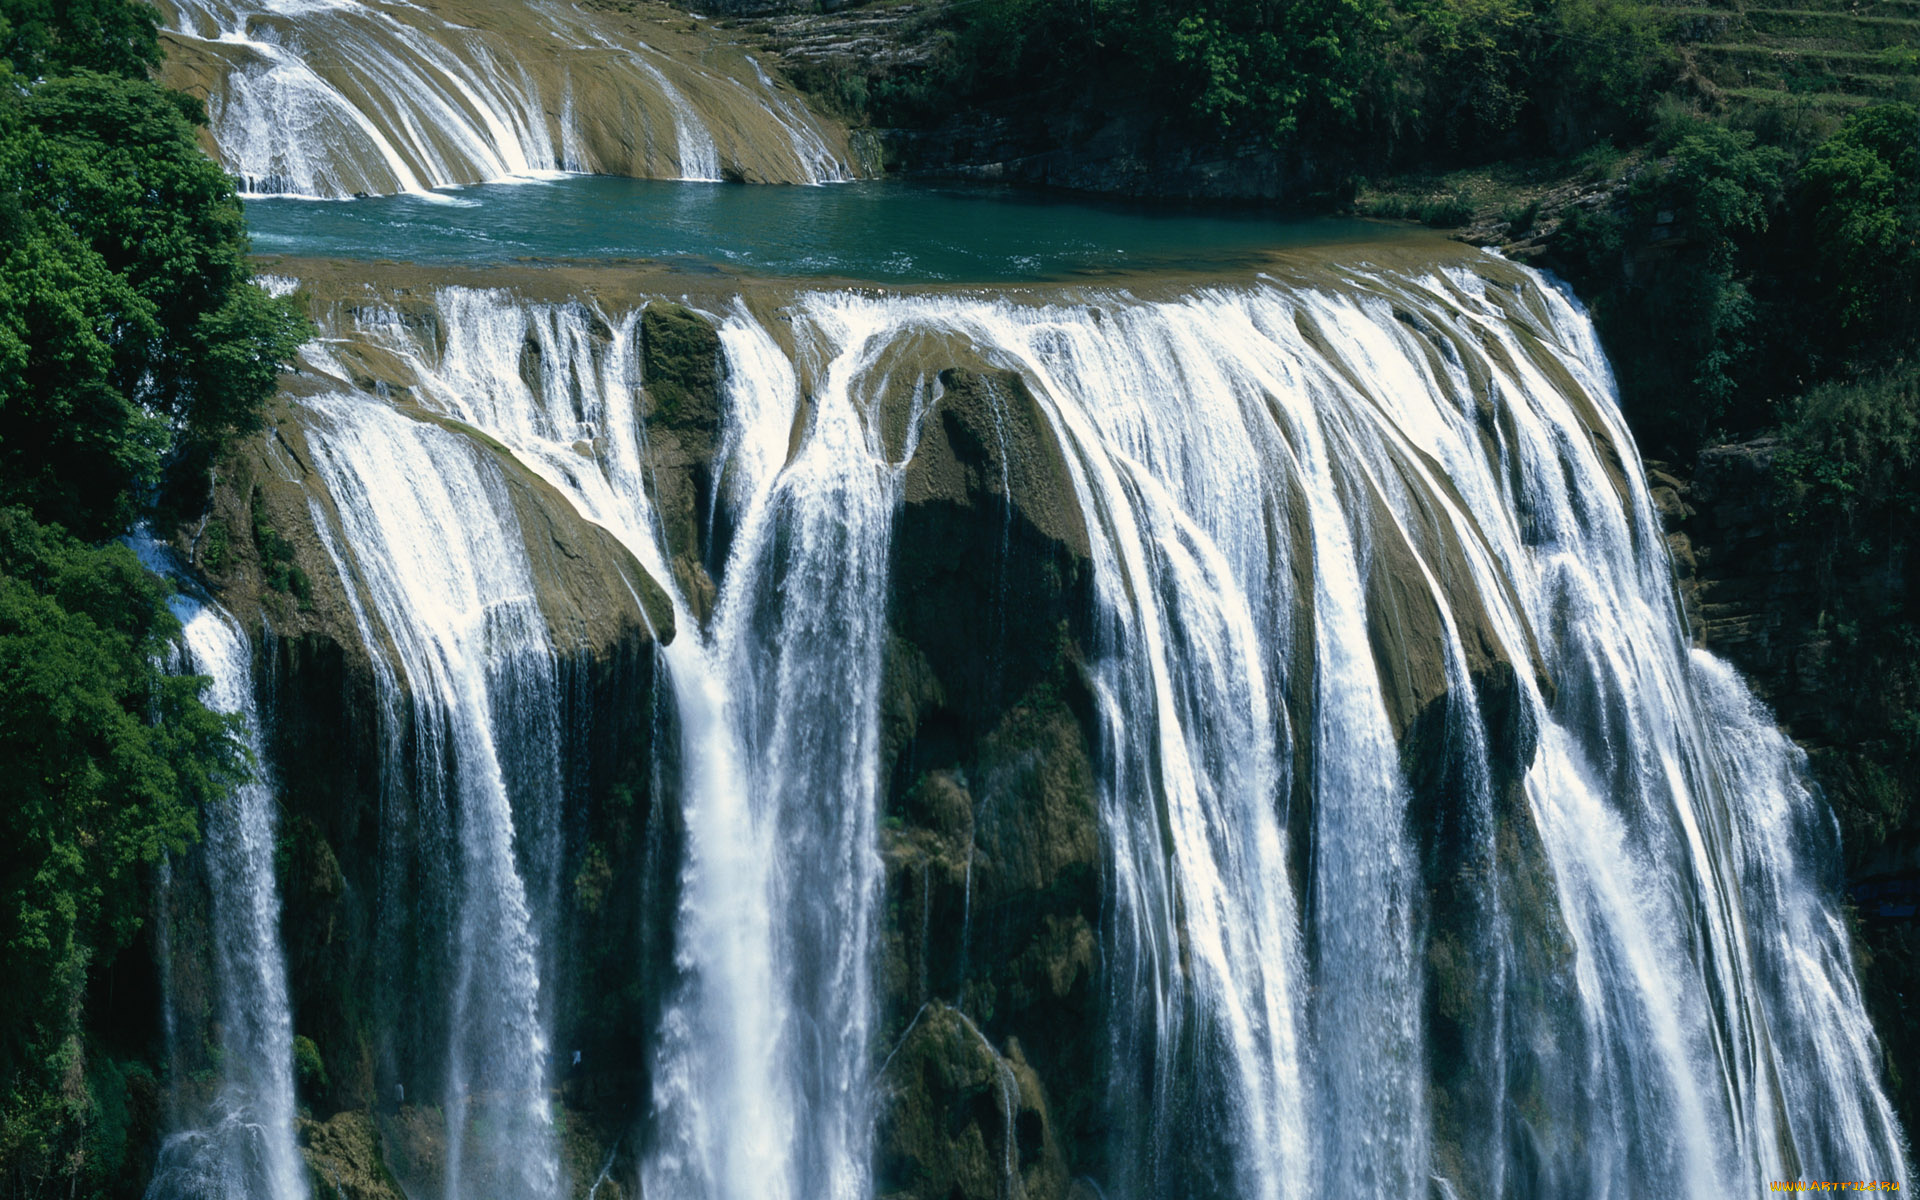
[{"x": 245, "y": 1149}]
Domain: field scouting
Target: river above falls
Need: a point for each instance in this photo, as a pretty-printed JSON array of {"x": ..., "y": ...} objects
[{"x": 884, "y": 231}]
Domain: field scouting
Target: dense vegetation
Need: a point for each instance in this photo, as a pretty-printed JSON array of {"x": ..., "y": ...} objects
[
  {"x": 1362, "y": 81},
  {"x": 1847, "y": 475},
  {"x": 1732, "y": 272},
  {"x": 132, "y": 346}
]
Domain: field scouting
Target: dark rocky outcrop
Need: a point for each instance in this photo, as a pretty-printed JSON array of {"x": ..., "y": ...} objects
[
  {"x": 963, "y": 1119},
  {"x": 345, "y": 1157},
  {"x": 1750, "y": 593},
  {"x": 991, "y": 838},
  {"x": 1086, "y": 139},
  {"x": 1116, "y": 152},
  {"x": 680, "y": 366}
]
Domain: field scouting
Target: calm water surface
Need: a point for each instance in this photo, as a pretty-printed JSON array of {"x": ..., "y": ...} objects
[{"x": 881, "y": 230}]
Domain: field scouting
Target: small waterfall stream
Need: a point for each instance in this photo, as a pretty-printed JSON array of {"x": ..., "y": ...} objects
[
  {"x": 1434, "y": 860},
  {"x": 245, "y": 1150}
]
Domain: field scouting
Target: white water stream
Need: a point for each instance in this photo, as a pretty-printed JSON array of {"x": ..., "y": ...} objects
[
  {"x": 436, "y": 548},
  {"x": 244, "y": 1150}
]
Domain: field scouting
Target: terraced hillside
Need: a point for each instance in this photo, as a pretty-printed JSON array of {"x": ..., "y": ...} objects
[{"x": 1821, "y": 53}]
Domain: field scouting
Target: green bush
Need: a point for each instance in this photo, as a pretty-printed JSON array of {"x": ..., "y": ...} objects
[
  {"x": 107, "y": 760},
  {"x": 309, "y": 1070},
  {"x": 1863, "y": 188},
  {"x": 60, "y": 37},
  {"x": 1364, "y": 79},
  {"x": 1853, "y": 450},
  {"x": 129, "y": 325},
  {"x": 1669, "y": 274}
]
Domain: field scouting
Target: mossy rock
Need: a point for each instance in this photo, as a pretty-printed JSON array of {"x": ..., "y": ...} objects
[
  {"x": 991, "y": 553},
  {"x": 344, "y": 1159},
  {"x": 962, "y": 1120},
  {"x": 680, "y": 362},
  {"x": 992, "y": 833}
]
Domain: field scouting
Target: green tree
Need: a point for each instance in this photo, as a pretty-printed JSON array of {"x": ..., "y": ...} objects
[
  {"x": 1863, "y": 189},
  {"x": 107, "y": 760},
  {"x": 1670, "y": 276},
  {"x": 58, "y": 37},
  {"x": 130, "y": 333},
  {"x": 133, "y": 347},
  {"x": 1267, "y": 67}
]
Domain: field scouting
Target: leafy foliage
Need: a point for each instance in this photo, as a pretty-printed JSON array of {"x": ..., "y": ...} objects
[
  {"x": 59, "y": 37},
  {"x": 1666, "y": 271},
  {"x": 107, "y": 760},
  {"x": 1368, "y": 79},
  {"x": 133, "y": 347},
  {"x": 129, "y": 329},
  {"x": 1863, "y": 184}
]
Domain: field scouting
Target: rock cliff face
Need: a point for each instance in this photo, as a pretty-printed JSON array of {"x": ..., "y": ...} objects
[
  {"x": 1751, "y": 593},
  {"x": 1117, "y": 151},
  {"x": 991, "y": 843}
]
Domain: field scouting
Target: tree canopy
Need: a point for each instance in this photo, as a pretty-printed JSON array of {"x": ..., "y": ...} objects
[{"x": 133, "y": 347}]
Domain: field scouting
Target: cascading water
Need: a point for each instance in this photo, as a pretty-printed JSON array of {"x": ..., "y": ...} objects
[
  {"x": 1434, "y": 859},
  {"x": 795, "y": 654},
  {"x": 334, "y": 98},
  {"x": 246, "y": 1149},
  {"x": 436, "y": 550},
  {"x": 759, "y": 1087},
  {"x": 1368, "y": 403}
]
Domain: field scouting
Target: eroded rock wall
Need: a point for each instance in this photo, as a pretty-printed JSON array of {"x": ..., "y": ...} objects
[{"x": 989, "y": 972}]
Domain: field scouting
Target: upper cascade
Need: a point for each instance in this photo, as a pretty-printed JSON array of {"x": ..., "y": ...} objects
[{"x": 336, "y": 98}]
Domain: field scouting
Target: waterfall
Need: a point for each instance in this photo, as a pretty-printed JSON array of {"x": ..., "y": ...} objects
[
  {"x": 698, "y": 157},
  {"x": 1434, "y": 858},
  {"x": 803, "y": 129},
  {"x": 436, "y": 551},
  {"x": 794, "y": 658},
  {"x": 326, "y": 98},
  {"x": 246, "y": 1150}
]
